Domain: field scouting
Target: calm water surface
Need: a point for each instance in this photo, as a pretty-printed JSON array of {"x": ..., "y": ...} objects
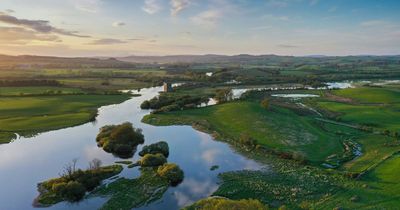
[{"x": 28, "y": 161}]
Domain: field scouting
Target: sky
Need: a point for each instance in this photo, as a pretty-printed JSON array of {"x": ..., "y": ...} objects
[{"x": 76, "y": 28}]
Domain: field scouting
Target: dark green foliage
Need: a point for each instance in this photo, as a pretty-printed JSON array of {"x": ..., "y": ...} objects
[
  {"x": 145, "y": 105},
  {"x": 224, "y": 95},
  {"x": 167, "y": 102},
  {"x": 152, "y": 160},
  {"x": 246, "y": 140},
  {"x": 226, "y": 204},
  {"x": 172, "y": 172},
  {"x": 159, "y": 147},
  {"x": 73, "y": 184},
  {"x": 265, "y": 103},
  {"x": 126, "y": 194},
  {"x": 73, "y": 191},
  {"x": 120, "y": 140}
]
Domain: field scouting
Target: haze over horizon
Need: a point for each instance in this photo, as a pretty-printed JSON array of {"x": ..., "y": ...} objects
[{"x": 76, "y": 28}]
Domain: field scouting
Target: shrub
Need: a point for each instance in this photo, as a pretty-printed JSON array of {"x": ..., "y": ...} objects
[
  {"x": 74, "y": 191},
  {"x": 172, "y": 172},
  {"x": 120, "y": 140},
  {"x": 265, "y": 103},
  {"x": 145, "y": 105},
  {"x": 246, "y": 140},
  {"x": 223, "y": 203},
  {"x": 159, "y": 147},
  {"x": 151, "y": 160}
]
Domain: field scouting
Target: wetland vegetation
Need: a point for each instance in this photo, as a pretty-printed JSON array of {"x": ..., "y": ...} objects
[{"x": 322, "y": 148}]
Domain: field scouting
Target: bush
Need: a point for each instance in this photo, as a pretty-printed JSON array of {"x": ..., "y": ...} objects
[
  {"x": 151, "y": 160},
  {"x": 172, "y": 172},
  {"x": 245, "y": 139},
  {"x": 120, "y": 140},
  {"x": 159, "y": 147},
  {"x": 223, "y": 203},
  {"x": 145, "y": 105},
  {"x": 74, "y": 191},
  {"x": 265, "y": 103}
]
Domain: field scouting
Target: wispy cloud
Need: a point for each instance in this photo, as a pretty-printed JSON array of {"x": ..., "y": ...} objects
[
  {"x": 371, "y": 23},
  {"x": 287, "y": 46},
  {"x": 256, "y": 28},
  {"x": 278, "y": 3},
  {"x": 333, "y": 9},
  {"x": 118, "y": 24},
  {"x": 178, "y": 6},
  {"x": 152, "y": 6},
  {"x": 41, "y": 26},
  {"x": 91, "y": 6},
  {"x": 14, "y": 35},
  {"x": 275, "y": 17},
  {"x": 313, "y": 2},
  {"x": 207, "y": 18},
  {"x": 107, "y": 42},
  {"x": 9, "y": 11}
]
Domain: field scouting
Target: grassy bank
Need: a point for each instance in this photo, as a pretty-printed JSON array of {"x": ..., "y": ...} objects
[
  {"x": 133, "y": 193},
  {"x": 29, "y": 115},
  {"x": 278, "y": 128}
]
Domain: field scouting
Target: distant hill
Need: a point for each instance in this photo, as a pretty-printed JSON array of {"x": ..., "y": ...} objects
[
  {"x": 210, "y": 58},
  {"x": 30, "y": 61},
  {"x": 245, "y": 58}
]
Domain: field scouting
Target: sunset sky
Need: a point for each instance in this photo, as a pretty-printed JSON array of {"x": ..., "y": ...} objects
[{"x": 161, "y": 27}]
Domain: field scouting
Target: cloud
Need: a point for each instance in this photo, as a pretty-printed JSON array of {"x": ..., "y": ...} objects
[
  {"x": 9, "y": 11},
  {"x": 333, "y": 9},
  {"x": 256, "y": 28},
  {"x": 278, "y": 3},
  {"x": 91, "y": 6},
  {"x": 313, "y": 2},
  {"x": 210, "y": 155},
  {"x": 41, "y": 26},
  {"x": 207, "y": 18},
  {"x": 287, "y": 46},
  {"x": 274, "y": 17},
  {"x": 16, "y": 35},
  {"x": 152, "y": 6},
  {"x": 373, "y": 23},
  {"x": 118, "y": 24},
  {"x": 107, "y": 42},
  {"x": 178, "y": 6}
]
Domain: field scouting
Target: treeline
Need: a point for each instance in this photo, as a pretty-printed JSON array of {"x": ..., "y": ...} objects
[
  {"x": 165, "y": 103},
  {"x": 22, "y": 83}
]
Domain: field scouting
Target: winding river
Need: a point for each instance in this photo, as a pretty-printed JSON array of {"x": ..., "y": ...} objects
[{"x": 28, "y": 161}]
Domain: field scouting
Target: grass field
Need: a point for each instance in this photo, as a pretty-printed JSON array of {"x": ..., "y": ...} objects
[
  {"x": 277, "y": 128},
  {"x": 378, "y": 189},
  {"x": 42, "y": 113},
  {"x": 18, "y": 91}
]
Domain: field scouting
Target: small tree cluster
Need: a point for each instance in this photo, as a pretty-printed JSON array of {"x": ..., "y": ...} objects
[
  {"x": 172, "y": 172},
  {"x": 120, "y": 140}
]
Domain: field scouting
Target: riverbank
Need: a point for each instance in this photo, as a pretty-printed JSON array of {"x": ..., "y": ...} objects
[
  {"x": 288, "y": 181},
  {"x": 29, "y": 115}
]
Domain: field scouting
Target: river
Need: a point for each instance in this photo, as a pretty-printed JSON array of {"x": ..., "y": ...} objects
[{"x": 28, "y": 161}]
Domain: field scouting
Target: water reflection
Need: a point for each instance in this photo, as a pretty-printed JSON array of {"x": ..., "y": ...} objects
[{"x": 28, "y": 161}]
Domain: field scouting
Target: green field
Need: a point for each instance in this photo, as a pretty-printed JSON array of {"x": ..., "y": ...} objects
[
  {"x": 378, "y": 189},
  {"x": 19, "y": 91},
  {"x": 30, "y": 115},
  {"x": 277, "y": 128},
  {"x": 367, "y": 117}
]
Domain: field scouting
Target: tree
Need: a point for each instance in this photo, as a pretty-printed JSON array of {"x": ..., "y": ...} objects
[
  {"x": 224, "y": 95},
  {"x": 95, "y": 164},
  {"x": 265, "y": 103},
  {"x": 172, "y": 172}
]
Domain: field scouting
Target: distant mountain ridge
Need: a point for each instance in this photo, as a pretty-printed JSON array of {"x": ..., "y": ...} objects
[{"x": 129, "y": 61}]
